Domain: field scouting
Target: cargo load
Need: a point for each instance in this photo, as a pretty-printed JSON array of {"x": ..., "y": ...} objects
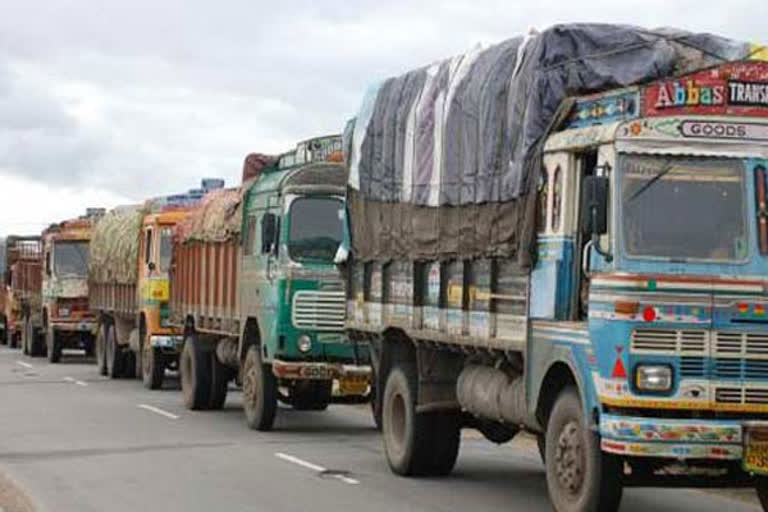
[
  {"x": 114, "y": 245},
  {"x": 444, "y": 159}
]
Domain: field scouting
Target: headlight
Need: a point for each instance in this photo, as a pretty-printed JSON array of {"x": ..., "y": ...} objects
[
  {"x": 63, "y": 312},
  {"x": 304, "y": 343},
  {"x": 653, "y": 378}
]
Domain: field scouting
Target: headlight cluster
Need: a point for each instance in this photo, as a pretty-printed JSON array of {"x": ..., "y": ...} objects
[
  {"x": 653, "y": 378},
  {"x": 304, "y": 342}
]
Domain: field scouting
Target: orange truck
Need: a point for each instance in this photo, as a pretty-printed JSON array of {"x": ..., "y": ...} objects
[
  {"x": 129, "y": 268},
  {"x": 21, "y": 286},
  {"x": 65, "y": 319}
]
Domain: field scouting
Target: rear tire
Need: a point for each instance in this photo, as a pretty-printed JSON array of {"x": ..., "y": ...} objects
[
  {"x": 34, "y": 343},
  {"x": 259, "y": 391},
  {"x": 114, "y": 361},
  {"x": 416, "y": 444},
  {"x": 761, "y": 487},
  {"x": 100, "y": 349},
  {"x": 53, "y": 345},
  {"x": 220, "y": 377},
  {"x": 195, "y": 369},
  {"x": 152, "y": 367},
  {"x": 580, "y": 477}
]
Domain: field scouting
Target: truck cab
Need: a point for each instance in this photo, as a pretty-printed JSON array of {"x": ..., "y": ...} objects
[
  {"x": 67, "y": 321},
  {"x": 293, "y": 225},
  {"x": 650, "y": 284}
]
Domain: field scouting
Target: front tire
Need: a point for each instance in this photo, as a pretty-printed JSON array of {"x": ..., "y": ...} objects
[
  {"x": 195, "y": 369},
  {"x": 259, "y": 391},
  {"x": 416, "y": 444},
  {"x": 580, "y": 477},
  {"x": 152, "y": 367}
]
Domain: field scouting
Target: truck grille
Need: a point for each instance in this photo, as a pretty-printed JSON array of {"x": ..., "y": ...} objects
[
  {"x": 670, "y": 341},
  {"x": 735, "y": 344},
  {"x": 319, "y": 310},
  {"x": 741, "y": 396}
]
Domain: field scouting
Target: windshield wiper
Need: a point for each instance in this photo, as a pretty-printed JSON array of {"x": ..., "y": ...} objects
[{"x": 651, "y": 181}]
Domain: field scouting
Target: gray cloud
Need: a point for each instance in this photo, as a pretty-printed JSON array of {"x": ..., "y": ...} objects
[{"x": 146, "y": 97}]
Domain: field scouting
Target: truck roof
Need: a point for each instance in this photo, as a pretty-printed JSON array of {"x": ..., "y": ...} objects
[{"x": 458, "y": 141}]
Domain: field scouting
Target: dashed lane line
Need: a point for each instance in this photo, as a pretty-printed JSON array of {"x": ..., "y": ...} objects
[
  {"x": 75, "y": 381},
  {"x": 157, "y": 410},
  {"x": 25, "y": 365},
  {"x": 314, "y": 467}
]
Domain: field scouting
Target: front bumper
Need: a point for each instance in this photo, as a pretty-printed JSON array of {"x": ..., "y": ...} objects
[
  {"x": 320, "y": 371},
  {"x": 678, "y": 439}
]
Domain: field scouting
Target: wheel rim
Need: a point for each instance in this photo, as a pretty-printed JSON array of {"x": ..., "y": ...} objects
[
  {"x": 569, "y": 458},
  {"x": 186, "y": 370},
  {"x": 397, "y": 421},
  {"x": 251, "y": 387},
  {"x": 146, "y": 362}
]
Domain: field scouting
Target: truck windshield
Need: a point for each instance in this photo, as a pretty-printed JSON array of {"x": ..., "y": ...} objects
[
  {"x": 683, "y": 208},
  {"x": 165, "y": 249},
  {"x": 315, "y": 228},
  {"x": 70, "y": 258}
]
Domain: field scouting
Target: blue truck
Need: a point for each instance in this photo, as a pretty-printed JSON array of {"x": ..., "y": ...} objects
[{"x": 634, "y": 342}]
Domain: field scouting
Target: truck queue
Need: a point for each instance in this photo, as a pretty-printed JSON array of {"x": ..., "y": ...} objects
[{"x": 483, "y": 248}]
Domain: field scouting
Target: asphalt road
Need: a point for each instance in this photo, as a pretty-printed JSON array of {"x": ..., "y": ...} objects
[{"x": 73, "y": 441}]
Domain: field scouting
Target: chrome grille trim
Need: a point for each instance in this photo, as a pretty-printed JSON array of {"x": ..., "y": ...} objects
[
  {"x": 741, "y": 395},
  {"x": 735, "y": 344},
  {"x": 670, "y": 341},
  {"x": 319, "y": 310}
]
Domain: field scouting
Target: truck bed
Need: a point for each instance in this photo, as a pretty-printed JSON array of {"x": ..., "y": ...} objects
[
  {"x": 204, "y": 288},
  {"x": 113, "y": 297}
]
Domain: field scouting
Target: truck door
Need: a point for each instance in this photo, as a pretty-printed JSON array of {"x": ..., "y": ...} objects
[{"x": 585, "y": 165}]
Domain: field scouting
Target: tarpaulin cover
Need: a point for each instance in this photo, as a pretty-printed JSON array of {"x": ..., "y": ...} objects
[
  {"x": 216, "y": 220},
  {"x": 114, "y": 246},
  {"x": 443, "y": 160},
  {"x": 254, "y": 164}
]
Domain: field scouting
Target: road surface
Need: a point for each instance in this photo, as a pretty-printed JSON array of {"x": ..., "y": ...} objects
[{"x": 73, "y": 441}]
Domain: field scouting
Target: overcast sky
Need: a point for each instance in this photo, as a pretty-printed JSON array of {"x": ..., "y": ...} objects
[{"x": 103, "y": 102}]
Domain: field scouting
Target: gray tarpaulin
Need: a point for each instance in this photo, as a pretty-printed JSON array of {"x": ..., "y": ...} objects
[{"x": 452, "y": 149}]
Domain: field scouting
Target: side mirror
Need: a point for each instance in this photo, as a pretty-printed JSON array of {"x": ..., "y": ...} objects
[
  {"x": 268, "y": 232},
  {"x": 594, "y": 205},
  {"x": 48, "y": 264}
]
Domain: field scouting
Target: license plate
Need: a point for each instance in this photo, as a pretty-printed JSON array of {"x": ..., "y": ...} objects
[
  {"x": 353, "y": 385},
  {"x": 756, "y": 450}
]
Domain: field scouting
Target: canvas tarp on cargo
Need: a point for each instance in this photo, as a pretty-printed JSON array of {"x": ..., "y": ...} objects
[
  {"x": 216, "y": 220},
  {"x": 114, "y": 246},
  {"x": 443, "y": 160}
]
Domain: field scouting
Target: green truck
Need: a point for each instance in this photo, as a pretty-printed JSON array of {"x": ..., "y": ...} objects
[{"x": 255, "y": 289}]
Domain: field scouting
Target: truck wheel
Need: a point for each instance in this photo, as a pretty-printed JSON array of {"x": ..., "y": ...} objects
[
  {"x": 195, "y": 369},
  {"x": 761, "y": 486},
  {"x": 34, "y": 344},
  {"x": 53, "y": 345},
  {"x": 220, "y": 377},
  {"x": 100, "y": 349},
  {"x": 375, "y": 406},
  {"x": 128, "y": 363},
  {"x": 407, "y": 434},
  {"x": 90, "y": 343},
  {"x": 152, "y": 367},
  {"x": 5, "y": 337},
  {"x": 24, "y": 342},
  {"x": 259, "y": 391},
  {"x": 311, "y": 395},
  {"x": 113, "y": 355},
  {"x": 580, "y": 478},
  {"x": 15, "y": 340}
]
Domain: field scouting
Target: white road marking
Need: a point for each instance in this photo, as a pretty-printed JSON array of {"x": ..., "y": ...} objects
[
  {"x": 69, "y": 379},
  {"x": 157, "y": 410},
  {"x": 75, "y": 381},
  {"x": 314, "y": 467},
  {"x": 25, "y": 365}
]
